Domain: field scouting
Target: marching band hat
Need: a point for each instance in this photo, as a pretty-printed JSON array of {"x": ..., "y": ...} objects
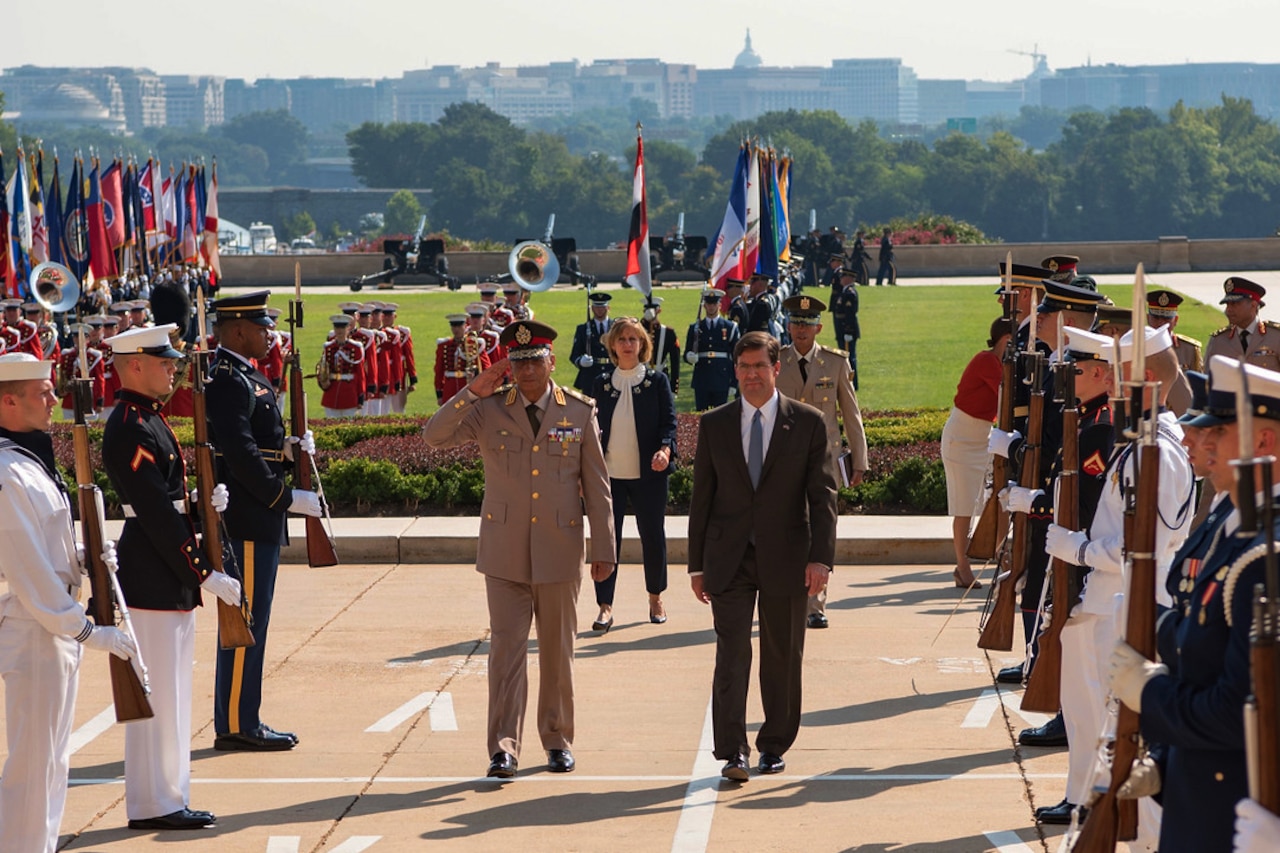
[
  {"x": 599, "y": 297},
  {"x": 477, "y": 309},
  {"x": 1061, "y": 267},
  {"x": 109, "y": 320},
  {"x": 145, "y": 340},
  {"x": 487, "y": 289},
  {"x": 712, "y": 295},
  {"x": 367, "y": 308},
  {"x": 1237, "y": 288},
  {"x": 348, "y": 307},
  {"x": 1023, "y": 275},
  {"x": 10, "y": 303},
  {"x": 1163, "y": 303},
  {"x": 1067, "y": 297},
  {"x": 511, "y": 287},
  {"x": 21, "y": 366},
  {"x": 98, "y": 320},
  {"x": 804, "y": 310},
  {"x": 248, "y": 306},
  {"x": 1088, "y": 346},
  {"x": 273, "y": 313},
  {"x": 1199, "y": 396},
  {"x": 1157, "y": 340},
  {"x": 390, "y": 307},
  {"x": 339, "y": 320},
  {"x": 456, "y": 319},
  {"x": 526, "y": 339},
  {"x": 32, "y": 308},
  {"x": 139, "y": 305},
  {"x": 120, "y": 307}
]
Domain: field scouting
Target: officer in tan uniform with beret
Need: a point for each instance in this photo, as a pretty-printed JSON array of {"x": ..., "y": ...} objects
[
  {"x": 821, "y": 376},
  {"x": 1246, "y": 336},
  {"x": 542, "y": 466}
]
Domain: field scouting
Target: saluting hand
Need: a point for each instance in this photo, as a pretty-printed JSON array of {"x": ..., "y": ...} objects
[{"x": 489, "y": 379}]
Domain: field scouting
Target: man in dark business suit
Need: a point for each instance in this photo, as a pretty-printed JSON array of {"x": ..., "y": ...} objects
[{"x": 762, "y": 532}]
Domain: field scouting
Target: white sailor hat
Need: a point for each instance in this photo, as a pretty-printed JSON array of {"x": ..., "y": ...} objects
[
  {"x": 147, "y": 340},
  {"x": 1087, "y": 346},
  {"x": 21, "y": 366},
  {"x": 1158, "y": 340}
]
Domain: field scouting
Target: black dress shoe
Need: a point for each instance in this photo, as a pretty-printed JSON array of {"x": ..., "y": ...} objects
[
  {"x": 1059, "y": 815},
  {"x": 290, "y": 735},
  {"x": 602, "y": 627},
  {"x": 261, "y": 739},
  {"x": 1010, "y": 675},
  {"x": 560, "y": 761},
  {"x": 735, "y": 769},
  {"x": 1052, "y": 733},
  {"x": 771, "y": 763},
  {"x": 816, "y": 620},
  {"x": 181, "y": 819},
  {"x": 502, "y": 766}
]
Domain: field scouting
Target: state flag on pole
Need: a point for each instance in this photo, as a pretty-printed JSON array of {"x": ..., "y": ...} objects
[
  {"x": 39, "y": 228},
  {"x": 102, "y": 261},
  {"x": 168, "y": 198},
  {"x": 751, "y": 242},
  {"x": 113, "y": 205},
  {"x": 782, "y": 204},
  {"x": 209, "y": 247},
  {"x": 768, "y": 257},
  {"x": 75, "y": 226},
  {"x": 19, "y": 228},
  {"x": 726, "y": 260},
  {"x": 639, "y": 275},
  {"x": 190, "y": 218},
  {"x": 53, "y": 218},
  {"x": 148, "y": 196},
  {"x": 6, "y": 257}
]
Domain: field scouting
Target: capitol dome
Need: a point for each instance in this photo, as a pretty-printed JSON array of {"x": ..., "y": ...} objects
[{"x": 748, "y": 58}]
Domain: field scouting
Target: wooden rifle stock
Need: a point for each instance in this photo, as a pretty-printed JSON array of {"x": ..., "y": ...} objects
[
  {"x": 993, "y": 524},
  {"x": 321, "y": 550},
  {"x": 127, "y": 691},
  {"x": 1112, "y": 819},
  {"x": 1262, "y": 708},
  {"x": 1044, "y": 685},
  {"x": 233, "y": 622},
  {"x": 997, "y": 633}
]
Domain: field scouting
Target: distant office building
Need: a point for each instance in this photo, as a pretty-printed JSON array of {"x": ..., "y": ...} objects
[
  {"x": 881, "y": 89},
  {"x": 241, "y": 97},
  {"x": 1159, "y": 87},
  {"x": 192, "y": 101}
]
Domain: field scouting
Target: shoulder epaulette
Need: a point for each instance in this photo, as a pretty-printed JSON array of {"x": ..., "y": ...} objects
[
  {"x": 840, "y": 352},
  {"x": 441, "y": 340},
  {"x": 510, "y": 390},
  {"x": 1186, "y": 339},
  {"x": 1225, "y": 328},
  {"x": 577, "y": 395}
]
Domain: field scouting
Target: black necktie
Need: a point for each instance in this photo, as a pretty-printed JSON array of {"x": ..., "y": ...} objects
[
  {"x": 804, "y": 369},
  {"x": 535, "y": 417},
  {"x": 1244, "y": 340}
]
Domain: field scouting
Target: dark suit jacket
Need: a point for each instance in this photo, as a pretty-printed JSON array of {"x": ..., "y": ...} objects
[
  {"x": 655, "y": 410},
  {"x": 792, "y": 514}
]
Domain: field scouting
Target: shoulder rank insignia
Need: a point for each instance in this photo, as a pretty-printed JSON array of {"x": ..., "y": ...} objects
[
  {"x": 1094, "y": 465},
  {"x": 511, "y": 393},
  {"x": 559, "y": 395},
  {"x": 575, "y": 393},
  {"x": 1225, "y": 329}
]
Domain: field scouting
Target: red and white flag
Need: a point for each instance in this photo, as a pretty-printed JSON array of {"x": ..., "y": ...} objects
[
  {"x": 639, "y": 274},
  {"x": 209, "y": 241},
  {"x": 169, "y": 205},
  {"x": 751, "y": 243}
]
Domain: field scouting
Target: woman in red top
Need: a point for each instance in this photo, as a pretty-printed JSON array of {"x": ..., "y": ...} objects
[{"x": 964, "y": 443}]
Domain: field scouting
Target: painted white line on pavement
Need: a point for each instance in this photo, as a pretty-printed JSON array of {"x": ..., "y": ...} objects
[
  {"x": 441, "y": 714},
  {"x": 283, "y": 843},
  {"x": 84, "y": 735},
  {"x": 414, "y": 706},
  {"x": 693, "y": 831},
  {"x": 357, "y": 843},
  {"x": 558, "y": 779},
  {"x": 1007, "y": 842},
  {"x": 979, "y": 716}
]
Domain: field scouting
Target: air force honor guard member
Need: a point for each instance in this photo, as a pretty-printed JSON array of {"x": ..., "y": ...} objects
[
  {"x": 589, "y": 352},
  {"x": 1245, "y": 336},
  {"x": 162, "y": 571},
  {"x": 821, "y": 377},
  {"x": 709, "y": 348},
  {"x": 248, "y": 434},
  {"x": 543, "y": 467},
  {"x": 42, "y": 622}
]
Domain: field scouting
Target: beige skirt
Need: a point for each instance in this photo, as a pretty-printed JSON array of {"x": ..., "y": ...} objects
[{"x": 966, "y": 462}]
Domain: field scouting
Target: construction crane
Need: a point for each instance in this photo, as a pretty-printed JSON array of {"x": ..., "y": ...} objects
[{"x": 1039, "y": 63}]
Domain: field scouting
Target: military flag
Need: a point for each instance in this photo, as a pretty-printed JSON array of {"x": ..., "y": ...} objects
[{"x": 639, "y": 275}]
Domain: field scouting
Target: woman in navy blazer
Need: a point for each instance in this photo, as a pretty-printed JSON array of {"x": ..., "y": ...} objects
[{"x": 637, "y": 415}]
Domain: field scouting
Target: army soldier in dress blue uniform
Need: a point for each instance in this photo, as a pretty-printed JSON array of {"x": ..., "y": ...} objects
[
  {"x": 1194, "y": 701},
  {"x": 762, "y": 307},
  {"x": 844, "y": 315},
  {"x": 248, "y": 434},
  {"x": 737, "y": 310},
  {"x": 162, "y": 572},
  {"x": 1246, "y": 335},
  {"x": 589, "y": 352},
  {"x": 708, "y": 346}
]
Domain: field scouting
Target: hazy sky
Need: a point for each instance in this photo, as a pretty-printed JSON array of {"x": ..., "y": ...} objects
[{"x": 383, "y": 38}]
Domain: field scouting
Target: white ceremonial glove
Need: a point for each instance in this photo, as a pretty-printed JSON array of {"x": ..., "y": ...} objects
[
  {"x": 109, "y": 556},
  {"x": 1066, "y": 545},
  {"x": 224, "y": 587},
  {"x": 80, "y": 560},
  {"x": 1018, "y": 499},
  {"x": 1143, "y": 781},
  {"x": 108, "y": 638},
  {"x": 307, "y": 441},
  {"x": 306, "y": 503},
  {"x": 220, "y": 498},
  {"x": 1129, "y": 673},
  {"x": 586, "y": 360},
  {"x": 1257, "y": 830},
  {"x": 691, "y": 357},
  {"x": 998, "y": 441}
]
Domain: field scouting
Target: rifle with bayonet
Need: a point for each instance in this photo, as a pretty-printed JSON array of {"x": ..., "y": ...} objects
[
  {"x": 321, "y": 550},
  {"x": 997, "y": 633},
  {"x": 129, "y": 687},
  {"x": 1044, "y": 686},
  {"x": 233, "y": 622},
  {"x": 993, "y": 525}
]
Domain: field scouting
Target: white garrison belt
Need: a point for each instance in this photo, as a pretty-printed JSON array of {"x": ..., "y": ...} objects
[
  {"x": 343, "y": 377},
  {"x": 455, "y": 374},
  {"x": 179, "y": 505},
  {"x": 713, "y": 355}
]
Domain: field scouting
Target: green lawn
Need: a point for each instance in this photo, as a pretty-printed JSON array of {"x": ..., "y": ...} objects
[{"x": 915, "y": 340}]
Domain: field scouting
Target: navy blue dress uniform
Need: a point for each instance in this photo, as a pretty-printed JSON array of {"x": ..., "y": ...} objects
[
  {"x": 666, "y": 349},
  {"x": 709, "y": 348},
  {"x": 762, "y": 311},
  {"x": 589, "y": 353},
  {"x": 247, "y": 432},
  {"x": 844, "y": 316}
]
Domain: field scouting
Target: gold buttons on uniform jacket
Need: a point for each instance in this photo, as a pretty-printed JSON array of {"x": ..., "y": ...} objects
[
  {"x": 1217, "y": 777},
  {"x": 534, "y": 472},
  {"x": 535, "y": 448},
  {"x": 489, "y": 516},
  {"x": 533, "y": 520},
  {"x": 535, "y": 496}
]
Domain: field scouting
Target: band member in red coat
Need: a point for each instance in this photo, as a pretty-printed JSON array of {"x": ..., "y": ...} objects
[{"x": 458, "y": 358}]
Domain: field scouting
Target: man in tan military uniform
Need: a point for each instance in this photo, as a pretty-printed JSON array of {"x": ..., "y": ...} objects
[
  {"x": 1246, "y": 336},
  {"x": 821, "y": 376},
  {"x": 543, "y": 464},
  {"x": 1162, "y": 310}
]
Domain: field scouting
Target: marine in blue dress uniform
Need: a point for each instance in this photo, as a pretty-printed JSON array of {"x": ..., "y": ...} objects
[
  {"x": 708, "y": 346},
  {"x": 247, "y": 431}
]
